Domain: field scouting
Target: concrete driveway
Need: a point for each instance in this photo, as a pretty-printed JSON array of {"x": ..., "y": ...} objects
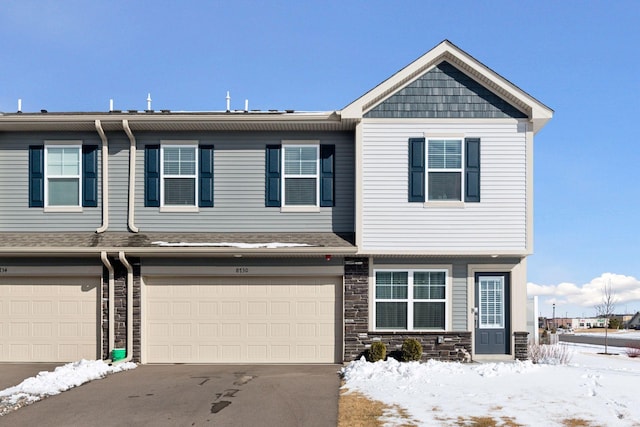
[{"x": 194, "y": 395}]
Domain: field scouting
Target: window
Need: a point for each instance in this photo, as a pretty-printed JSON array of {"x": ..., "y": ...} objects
[
  {"x": 179, "y": 173},
  {"x": 444, "y": 169},
  {"x": 63, "y": 166},
  {"x": 301, "y": 184},
  {"x": 410, "y": 299},
  {"x": 178, "y": 176}
]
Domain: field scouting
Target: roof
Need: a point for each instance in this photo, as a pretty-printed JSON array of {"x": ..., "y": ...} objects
[
  {"x": 537, "y": 112},
  {"x": 165, "y": 244},
  {"x": 261, "y": 121}
]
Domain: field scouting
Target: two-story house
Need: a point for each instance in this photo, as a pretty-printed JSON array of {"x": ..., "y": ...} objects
[{"x": 274, "y": 237}]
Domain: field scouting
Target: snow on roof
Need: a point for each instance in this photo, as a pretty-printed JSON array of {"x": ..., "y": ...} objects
[{"x": 271, "y": 245}]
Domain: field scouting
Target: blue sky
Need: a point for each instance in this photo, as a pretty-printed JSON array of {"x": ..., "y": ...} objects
[{"x": 581, "y": 58}]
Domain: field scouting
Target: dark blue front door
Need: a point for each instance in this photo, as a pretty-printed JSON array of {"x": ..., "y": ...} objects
[{"x": 492, "y": 313}]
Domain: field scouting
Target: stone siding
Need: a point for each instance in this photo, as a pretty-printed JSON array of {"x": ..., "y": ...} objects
[{"x": 521, "y": 340}]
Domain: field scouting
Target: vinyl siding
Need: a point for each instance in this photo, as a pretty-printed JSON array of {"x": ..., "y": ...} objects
[
  {"x": 460, "y": 311},
  {"x": 390, "y": 222},
  {"x": 118, "y": 181},
  {"x": 15, "y": 213},
  {"x": 239, "y": 185}
]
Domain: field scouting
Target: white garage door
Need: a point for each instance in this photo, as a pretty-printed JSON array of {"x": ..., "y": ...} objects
[
  {"x": 242, "y": 320},
  {"x": 48, "y": 319}
]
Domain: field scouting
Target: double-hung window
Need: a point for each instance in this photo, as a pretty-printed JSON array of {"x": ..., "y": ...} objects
[
  {"x": 63, "y": 172},
  {"x": 411, "y": 299},
  {"x": 444, "y": 169},
  {"x": 301, "y": 175},
  {"x": 179, "y": 175}
]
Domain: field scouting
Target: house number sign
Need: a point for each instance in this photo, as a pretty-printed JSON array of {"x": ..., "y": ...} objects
[
  {"x": 4, "y": 270},
  {"x": 242, "y": 270}
]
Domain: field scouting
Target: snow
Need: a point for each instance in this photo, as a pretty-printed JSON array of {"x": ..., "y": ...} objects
[
  {"x": 271, "y": 245},
  {"x": 61, "y": 379},
  {"x": 601, "y": 389}
]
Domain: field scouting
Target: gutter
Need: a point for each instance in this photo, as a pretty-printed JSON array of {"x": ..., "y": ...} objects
[
  {"x": 107, "y": 263},
  {"x": 129, "y": 268},
  {"x": 132, "y": 176},
  {"x": 105, "y": 177}
]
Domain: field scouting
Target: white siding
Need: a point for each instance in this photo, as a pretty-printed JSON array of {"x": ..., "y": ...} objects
[{"x": 391, "y": 224}]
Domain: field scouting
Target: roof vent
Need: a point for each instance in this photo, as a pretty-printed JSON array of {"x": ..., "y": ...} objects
[{"x": 19, "y": 105}]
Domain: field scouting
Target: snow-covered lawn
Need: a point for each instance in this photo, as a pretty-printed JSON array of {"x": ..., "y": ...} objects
[
  {"x": 600, "y": 389},
  {"x": 51, "y": 383}
]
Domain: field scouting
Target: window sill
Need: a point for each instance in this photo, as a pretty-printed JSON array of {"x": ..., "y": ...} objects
[
  {"x": 289, "y": 209},
  {"x": 180, "y": 209},
  {"x": 62, "y": 209},
  {"x": 444, "y": 204}
]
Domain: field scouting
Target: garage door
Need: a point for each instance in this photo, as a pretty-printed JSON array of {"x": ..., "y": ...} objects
[
  {"x": 242, "y": 320},
  {"x": 48, "y": 319}
]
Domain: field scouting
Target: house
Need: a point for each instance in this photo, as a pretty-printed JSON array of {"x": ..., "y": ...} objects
[
  {"x": 274, "y": 237},
  {"x": 634, "y": 322}
]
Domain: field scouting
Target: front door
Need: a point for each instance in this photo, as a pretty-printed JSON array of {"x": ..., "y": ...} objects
[{"x": 492, "y": 313}]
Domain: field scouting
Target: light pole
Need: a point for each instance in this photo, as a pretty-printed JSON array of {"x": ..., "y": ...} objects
[{"x": 553, "y": 322}]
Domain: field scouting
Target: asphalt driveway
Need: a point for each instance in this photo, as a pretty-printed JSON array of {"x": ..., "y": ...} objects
[{"x": 193, "y": 395}]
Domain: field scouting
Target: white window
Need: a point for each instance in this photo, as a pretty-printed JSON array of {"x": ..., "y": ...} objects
[
  {"x": 63, "y": 169},
  {"x": 411, "y": 299},
  {"x": 301, "y": 168},
  {"x": 178, "y": 184},
  {"x": 444, "y": 169}
]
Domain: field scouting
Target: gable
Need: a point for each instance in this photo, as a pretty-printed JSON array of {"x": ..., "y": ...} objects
[{"x": 444, "y": 92}]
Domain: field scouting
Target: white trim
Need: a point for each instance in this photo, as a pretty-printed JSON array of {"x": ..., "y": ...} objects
[
  {"x": 62, "y": 144},
  {"x": 179, "y": 144},
  {"x": 459, "y": 170},
  {"x": 299, "y": 144},
  {"x": 242, "y": 269},
  {"x": 410, "y": 269}
]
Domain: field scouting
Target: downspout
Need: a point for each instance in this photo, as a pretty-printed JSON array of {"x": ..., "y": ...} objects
[
  {"x": 129, "y": 268},
  {"x": 132, "y": 176},
  {"x": 105, "y": 178},
  {"x": 107, "y": 263}
]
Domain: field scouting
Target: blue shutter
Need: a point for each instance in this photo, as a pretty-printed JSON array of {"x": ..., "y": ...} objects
[
  {"x": 36, "y": 176},
  {"x": 416, "y": 169},
  {"x": 205, "y": 176},
  {"x": 152, "y": 176},
  {"x": 272, "y": 176},
  {"x": 472, "y": 170},
  {"x": 90, "y": 176},
  {"x": 327, "y": 175}
]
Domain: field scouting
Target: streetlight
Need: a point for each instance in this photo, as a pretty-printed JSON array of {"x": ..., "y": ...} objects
[{"x": 554, "y": 317}]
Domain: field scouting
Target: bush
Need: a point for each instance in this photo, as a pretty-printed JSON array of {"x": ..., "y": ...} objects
[
  {"x": 378, "y": 351},
  {"x": 556, "y": 354},
  {"x": 633, "y": 349},
  {"x": 411, "y": 350}
]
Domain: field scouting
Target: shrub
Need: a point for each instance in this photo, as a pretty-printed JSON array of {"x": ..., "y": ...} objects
[
  {"x": 378, "y": 351},
  {"x": 556, "y": 354},
  {"x": 633, "y": 349},
  {"x": 411, "y": 350}
]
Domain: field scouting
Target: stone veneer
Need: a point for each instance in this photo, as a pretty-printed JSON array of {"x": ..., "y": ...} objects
[
  {"x": 120, "y": 308},
  {"x": 521, "y": 347},
  {"x": 357, "y": 338}
]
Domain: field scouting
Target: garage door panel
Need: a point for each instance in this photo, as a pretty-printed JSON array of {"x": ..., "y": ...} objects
[
  {"x": 46, "y": 319},
  {"x": 255, "y": 320}
]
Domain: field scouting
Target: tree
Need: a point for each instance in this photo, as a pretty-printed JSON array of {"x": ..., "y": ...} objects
[{"x": 605, "y": 309}]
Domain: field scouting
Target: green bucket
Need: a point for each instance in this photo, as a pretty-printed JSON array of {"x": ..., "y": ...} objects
[{"x": 118, "y": 354}]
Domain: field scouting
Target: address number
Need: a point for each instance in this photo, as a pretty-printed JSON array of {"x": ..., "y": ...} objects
[{"x": 242, "y": 270}]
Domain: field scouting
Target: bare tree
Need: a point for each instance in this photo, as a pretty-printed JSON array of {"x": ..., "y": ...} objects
[{"x": 606, "y": 308}]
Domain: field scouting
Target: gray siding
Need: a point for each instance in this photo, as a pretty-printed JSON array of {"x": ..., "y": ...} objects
[
  {"x": 240, "y": 262},
  {"x": 118, "y": 181},
  {"x": 239, "y": 185},
  {"x": 444, "y": 92},
  {"x": 460, "y": 310},
  {"x": 15, "y": 213}
]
